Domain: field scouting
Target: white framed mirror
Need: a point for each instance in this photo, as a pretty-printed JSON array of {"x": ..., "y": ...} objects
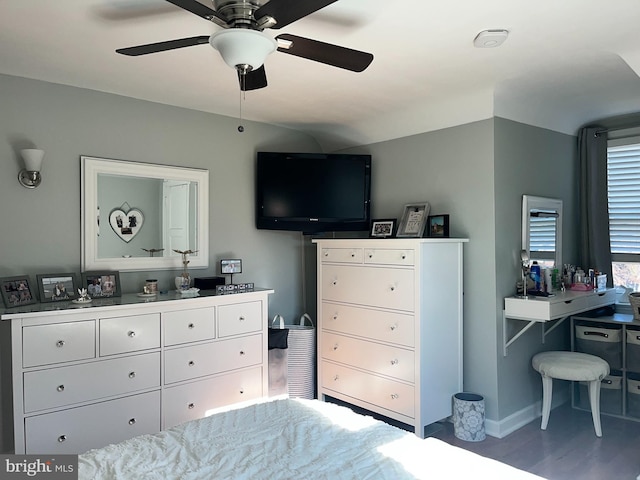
[
  {"x": 134, "y": 215},
  {"x": 542, "y": 230}
]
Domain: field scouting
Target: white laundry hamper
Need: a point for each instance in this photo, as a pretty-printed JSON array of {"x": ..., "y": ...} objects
[{"x": 301, "y": 361}]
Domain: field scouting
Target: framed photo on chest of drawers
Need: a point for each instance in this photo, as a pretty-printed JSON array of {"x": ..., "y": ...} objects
[
  {"x": 390, "y": 325},
  {"x": 84, "y": 378}
]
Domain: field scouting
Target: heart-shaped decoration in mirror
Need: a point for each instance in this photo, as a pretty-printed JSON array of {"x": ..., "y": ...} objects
[{"x": 126, "y": 224}]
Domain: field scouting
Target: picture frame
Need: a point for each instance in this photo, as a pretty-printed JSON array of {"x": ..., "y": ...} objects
[
  {"x": 101, "y": 284},
  {"x": 57, "y": 287},
  {"x": 230, "y": 266},
  {"x": 414, "y": 220},
  {"x": 383, "y": 228},
  {"x": 17, "y": 291},
  {"x": 438, "y": 226}
]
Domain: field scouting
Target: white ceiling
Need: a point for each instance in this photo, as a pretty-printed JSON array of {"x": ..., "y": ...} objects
[{"x": 564, "y": 64}]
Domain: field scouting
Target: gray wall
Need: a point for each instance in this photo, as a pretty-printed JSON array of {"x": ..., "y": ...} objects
[{"x": 477, "y": 173}]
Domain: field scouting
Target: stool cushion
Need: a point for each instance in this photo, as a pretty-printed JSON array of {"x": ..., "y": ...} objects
[{"x": 570, "y": 366}]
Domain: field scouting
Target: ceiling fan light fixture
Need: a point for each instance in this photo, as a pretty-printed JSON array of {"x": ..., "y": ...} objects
[{"x": 240, "y": 47}]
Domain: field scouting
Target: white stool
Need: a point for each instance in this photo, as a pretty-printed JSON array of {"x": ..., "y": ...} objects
[{"x": 574, "y": 366}]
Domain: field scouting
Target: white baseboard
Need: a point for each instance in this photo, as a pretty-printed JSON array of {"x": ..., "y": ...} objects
[{"x": 519, "y": 419}]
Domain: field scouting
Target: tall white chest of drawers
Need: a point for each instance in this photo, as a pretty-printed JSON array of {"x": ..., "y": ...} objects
[
  {"x": 86, "y": 377},
  {"x": 390, "y": 325}
]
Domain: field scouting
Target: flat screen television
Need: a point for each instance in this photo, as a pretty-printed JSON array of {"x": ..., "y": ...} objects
[{"x": 313, "y": 192}]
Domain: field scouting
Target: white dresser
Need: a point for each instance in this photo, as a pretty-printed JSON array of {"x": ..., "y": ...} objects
[
  {"x": 88, "y": 376},
  {"x": 390, "y": 325}
]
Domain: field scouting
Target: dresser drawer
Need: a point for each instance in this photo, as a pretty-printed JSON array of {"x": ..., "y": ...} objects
[
  {"x": 188, "y": 326},
  {"x": 129, "y": 334},
  {"x": 186, "y": 363},
  {"x": 397, "y": 328},
  {"x": 342, "y": 255},
  {"x": 239, "y": 318},
  {"x": 389, "y": 256},
  {"x": 601, "y": 299},
  {"x": 389, "y": 394},
  {"x": 56, "y": 387},
  {"x": 375, "y": 357},
  {"x": 80, "y": 429},
  {"x": 61, "y": 342},
  {"x": 373, "y": 286},
  {"x": 193, "y": 400}
]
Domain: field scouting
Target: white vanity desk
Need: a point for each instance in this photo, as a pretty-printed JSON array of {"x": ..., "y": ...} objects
[
  {"x": 87, "y": 375},
  {"x": 557, "y": 308}
]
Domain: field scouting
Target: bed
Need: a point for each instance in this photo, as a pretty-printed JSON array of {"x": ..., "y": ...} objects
[{"x": 288, "y": 439}]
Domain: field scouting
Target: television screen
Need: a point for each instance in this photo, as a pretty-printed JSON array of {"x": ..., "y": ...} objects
[{"x": 312, "y": 192}]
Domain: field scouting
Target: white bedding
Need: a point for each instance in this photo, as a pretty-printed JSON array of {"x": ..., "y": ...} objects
[{"x": 288, "y": 439}]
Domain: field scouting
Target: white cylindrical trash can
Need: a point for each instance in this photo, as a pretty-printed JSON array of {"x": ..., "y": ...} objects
[{"x": 468, "y": 417}]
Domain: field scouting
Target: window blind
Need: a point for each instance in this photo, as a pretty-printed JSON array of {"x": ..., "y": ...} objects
[{"x": 623, "y": 183}]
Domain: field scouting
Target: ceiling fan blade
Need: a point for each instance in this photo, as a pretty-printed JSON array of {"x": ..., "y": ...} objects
[
  {"x": 253, "y": 80},
  {"x": 288, "y": 11},
  {"x": 199, "y": 9},
  {"x": 340, "y": 57},
  {"x": 163, "y": 46}
]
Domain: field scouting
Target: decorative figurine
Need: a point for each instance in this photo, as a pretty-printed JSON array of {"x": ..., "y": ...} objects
[
  {"x": 151, "y": 251},
  {"x": 184, "y": 280}
]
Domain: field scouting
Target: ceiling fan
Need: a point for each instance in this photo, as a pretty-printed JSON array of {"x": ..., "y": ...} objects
[{"x": 243, "y": 45}]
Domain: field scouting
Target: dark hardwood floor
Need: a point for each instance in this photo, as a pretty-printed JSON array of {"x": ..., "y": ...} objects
[{"x": 567, "y": 450}]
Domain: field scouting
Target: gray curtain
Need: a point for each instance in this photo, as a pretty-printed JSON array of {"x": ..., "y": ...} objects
[{"x": 595, "y": 249}]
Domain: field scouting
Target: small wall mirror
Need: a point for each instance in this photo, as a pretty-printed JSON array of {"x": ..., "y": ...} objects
[
  {"x": 134, "y": 215},
  {"x": 542, "y": 230}
]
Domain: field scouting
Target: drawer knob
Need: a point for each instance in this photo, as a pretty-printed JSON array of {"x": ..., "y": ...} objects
[
  {"x": 353, "y": 254},
  {"x": 335, "y": 347},
  {"x": 242, "y": 352},
  {"x": 132, "y": 374},
  {"x": 60, "y": 388},
  {"x": 241, "y": 319},
  {"x": 191, "y": 363},
  {"x": 326, "y": 254},
  {"x": 393, "y": 288},
  {"x": 336, "y": 378},
  {"x": 191, "y": 325},
  {"x": 394, "y": 361},
  {"x": 403, "y": 257},
  {"x": 242, "y": 391},
  {"x": 394, "y": 396},
  {"x": 131, "y": 333},
  {"x": 335, "y": 317},
  {"x": 335, "y": 282},
  {"x": 62, "y": 438},
  {"x": 191, "y": 406},
  {"x": 60, "y": 343},
  {"x": 393, "y": 327},
  {"x": 132, "y": 421}
]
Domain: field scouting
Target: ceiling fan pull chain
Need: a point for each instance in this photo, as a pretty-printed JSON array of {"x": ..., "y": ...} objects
[{"x": 241, "y": 127}]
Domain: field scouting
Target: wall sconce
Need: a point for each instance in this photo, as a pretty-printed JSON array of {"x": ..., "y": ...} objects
[{"x": 30, "y": 176}]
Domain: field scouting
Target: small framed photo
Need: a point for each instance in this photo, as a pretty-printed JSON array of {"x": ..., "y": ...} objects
[
  {"x": 439, "y": 226},
  {"x": 231, "y": 266},
  {"x": 385, "y": 228},
  {"x": 101, "y": 284},
  {"x": 414, "y": 220},
  {"x": 17, "y": 291},
  {"x": 56, "y": 287}
]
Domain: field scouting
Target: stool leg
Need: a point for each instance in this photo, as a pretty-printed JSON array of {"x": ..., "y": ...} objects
[
  {"x": 547, "y": 392},
  {"x": 594, "y": 400}
]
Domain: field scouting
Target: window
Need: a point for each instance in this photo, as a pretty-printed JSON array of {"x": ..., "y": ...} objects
[{"x": 623, "y": 184}]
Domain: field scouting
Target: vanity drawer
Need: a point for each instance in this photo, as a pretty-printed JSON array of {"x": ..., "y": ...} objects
[
  {"x": 601, "y": 299},
  {"x": 191, "y": 362},
  {"x": 129, "y": 334},
  {"x": 60, "y": 342},
  {"x": 56, "y": 387},
  {"x": 193, "y": 400},
  {"x": 373, "y": 286},
  {"x": 80, "y": 429},
  {"x": 397, "y": 328},
  {"x": 389, "y": 256},
  {"x": 188, "y": 326},
  {"x": 382, "y": 359},
  {"x": 239, "y": 318},
  {"x": 342, "y": 255},
  {"x": 389, "y": 394}
]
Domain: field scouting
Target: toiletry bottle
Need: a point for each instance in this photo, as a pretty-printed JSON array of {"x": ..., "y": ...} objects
[{"x": 535, "y": 274}]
